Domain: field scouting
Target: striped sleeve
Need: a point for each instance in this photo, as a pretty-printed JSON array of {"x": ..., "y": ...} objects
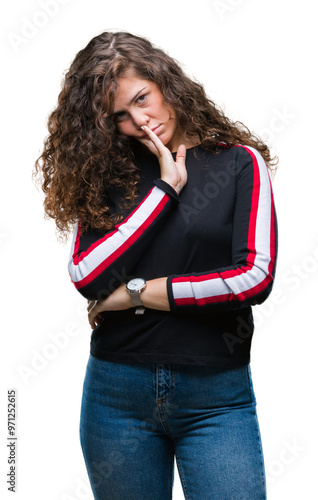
[
  {"x": 249, "y": 278},
  {"x": 98, "y": 264}
]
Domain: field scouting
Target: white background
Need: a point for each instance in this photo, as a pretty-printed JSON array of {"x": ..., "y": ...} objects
[{"x": 258, "y": 60}]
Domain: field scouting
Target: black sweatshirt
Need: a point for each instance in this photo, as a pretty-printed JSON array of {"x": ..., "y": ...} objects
[{"x": 217, "y": 244}]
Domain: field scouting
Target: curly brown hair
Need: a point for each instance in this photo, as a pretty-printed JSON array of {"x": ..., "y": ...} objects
[{"x": 84, "y": 154}]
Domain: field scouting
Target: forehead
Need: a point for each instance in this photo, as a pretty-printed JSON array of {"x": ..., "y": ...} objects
[{"x": 127, "y": 85}]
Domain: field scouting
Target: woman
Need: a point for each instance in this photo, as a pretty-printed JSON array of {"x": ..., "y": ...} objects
[{"x": 175, "y": 239}]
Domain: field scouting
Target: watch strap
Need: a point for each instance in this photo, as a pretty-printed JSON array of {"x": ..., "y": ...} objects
[
  {"x": 136, "y": 300},
  {"x": 140, "y": 310}
]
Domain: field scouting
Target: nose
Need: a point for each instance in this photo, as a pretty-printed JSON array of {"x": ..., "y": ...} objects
[{"x": 139, "y": 117}]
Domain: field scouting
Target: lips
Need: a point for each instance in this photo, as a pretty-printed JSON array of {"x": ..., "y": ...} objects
[{"x": 146, "y": 135}]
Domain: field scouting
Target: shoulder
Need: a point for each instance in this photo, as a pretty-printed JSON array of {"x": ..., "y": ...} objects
[
  {"x": 241, "y": 152},
  {"x": 248, "y": 152},
  {"x": 247, "y": 158}
]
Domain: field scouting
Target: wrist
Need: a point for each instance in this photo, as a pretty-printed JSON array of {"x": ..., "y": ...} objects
[
  {"x": 174, "y": 185},
  {"x": 135, "y": 287}
]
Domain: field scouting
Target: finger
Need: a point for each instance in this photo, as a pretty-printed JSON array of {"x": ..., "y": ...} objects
[
  {"x": 91, "y": 304},
  {"x": 95, "y": 319},
  {"x": 92, "y": 313},
  {"x": 181, "y": 154},
  {"x": 154, "y": 138},
  {"x": 91, "y": 320}
]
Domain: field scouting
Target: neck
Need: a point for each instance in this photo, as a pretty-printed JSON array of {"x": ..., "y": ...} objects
[{"x": 189, "y": 142}]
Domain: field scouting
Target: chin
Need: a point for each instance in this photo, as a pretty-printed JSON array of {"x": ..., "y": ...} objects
[{"x": 164, "y": 139}]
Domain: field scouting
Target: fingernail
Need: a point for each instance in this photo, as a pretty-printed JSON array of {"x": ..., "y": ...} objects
[{"x": 142, "y": 127}]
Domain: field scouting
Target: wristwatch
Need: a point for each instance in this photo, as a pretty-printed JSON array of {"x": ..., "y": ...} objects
[{"x": 134, "y": 288}]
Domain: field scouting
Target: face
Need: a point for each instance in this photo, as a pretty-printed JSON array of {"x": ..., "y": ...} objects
[{"x": 139, "y": 102}]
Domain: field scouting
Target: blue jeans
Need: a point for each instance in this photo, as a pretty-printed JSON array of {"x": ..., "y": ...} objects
[{"x": 135, "y": 418}]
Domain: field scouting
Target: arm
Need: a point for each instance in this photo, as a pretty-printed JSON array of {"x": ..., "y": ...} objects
[
  {"x": 153, "y": 297},
  {"x": 249, "y": 279},
  {"x": 104, "y": 262},
  {"x": 98, "y": 264}
]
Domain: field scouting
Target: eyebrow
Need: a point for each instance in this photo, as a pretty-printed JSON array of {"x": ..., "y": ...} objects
[{"x": 131, "y": 100}]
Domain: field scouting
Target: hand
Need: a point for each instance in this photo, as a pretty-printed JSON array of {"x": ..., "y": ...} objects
[
  {"x": 172, "y": 172},
  {"x": 116, "y": 301}
]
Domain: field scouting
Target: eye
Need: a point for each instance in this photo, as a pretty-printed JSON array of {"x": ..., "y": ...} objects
[
  {"x": 119, "y": 116},
  {"x": 122, "y": 115},
  {"x": 141, "y": 98}
]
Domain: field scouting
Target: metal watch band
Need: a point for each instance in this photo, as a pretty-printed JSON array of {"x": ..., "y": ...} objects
[
  {"x": 135, "y": 298},
  {"x": 134, "y": 288},
  {"x": 140, "y": 310}
]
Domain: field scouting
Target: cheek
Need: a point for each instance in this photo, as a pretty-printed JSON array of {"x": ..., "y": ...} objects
[
  {"x": 164, "y": 112},
  {"x": 125, "y": 128}
]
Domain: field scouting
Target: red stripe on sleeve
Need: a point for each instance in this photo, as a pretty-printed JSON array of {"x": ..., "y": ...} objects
[
  {"x": 251, "y": 247},
  {"x": 77, "y": 258},
  {"x": 125, "y": 246}
]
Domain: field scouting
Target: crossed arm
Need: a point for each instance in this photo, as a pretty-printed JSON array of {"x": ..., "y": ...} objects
[{"x": 247, "y": 281}]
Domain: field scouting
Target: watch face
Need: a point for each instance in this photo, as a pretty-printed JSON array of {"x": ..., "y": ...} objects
[{"x": 136, "y": 284}]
